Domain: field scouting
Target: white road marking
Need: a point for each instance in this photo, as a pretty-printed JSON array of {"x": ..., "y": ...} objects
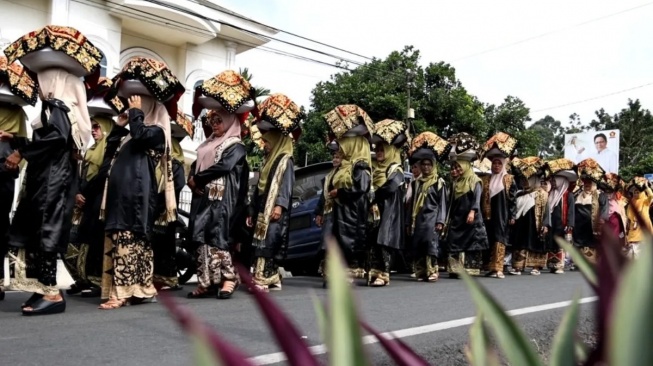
[{"x": 277, "y": 357}]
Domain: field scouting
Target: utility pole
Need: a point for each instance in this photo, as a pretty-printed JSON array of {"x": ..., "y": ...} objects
[{"x": 410, "y": 113}]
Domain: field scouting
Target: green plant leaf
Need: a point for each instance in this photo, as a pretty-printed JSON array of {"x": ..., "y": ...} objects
[
  {"x": 563, "y": 349},
  {"x": 631, "y": 323},
  {"x": 344, "y": 333},
  {"x": 588, "y": 270},
  {"x": 516, "y": 347},
  {"x": 320, "y": 314},
  {"x": 479, "y": 352}
]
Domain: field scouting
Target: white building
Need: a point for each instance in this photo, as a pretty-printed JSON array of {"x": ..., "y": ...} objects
[{"x": 190, "y": 36}]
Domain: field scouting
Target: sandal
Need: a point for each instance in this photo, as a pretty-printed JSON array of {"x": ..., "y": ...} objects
[
  {"x": 228, "y": 288},
  {"x": 91, "y": 292},
  {"x": 142, "y": 300},
  {"x": 515, "y": 272},
  {"x": 75, "y": 288},
  {"x": 377, "y": 283},
  {"x": 275, "y": 287},
  {"x": 433, "y": 278},
  {"x": 113, "y": 304},
  {"x": 201, "y": 293},
  {"x": 32, "y": 299},
  {"x": 535, "y": 272},
  {"x": 500, "y": 275}
]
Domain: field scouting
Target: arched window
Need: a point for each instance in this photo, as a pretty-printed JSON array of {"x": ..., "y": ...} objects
[{"x": 103, "y": 65}]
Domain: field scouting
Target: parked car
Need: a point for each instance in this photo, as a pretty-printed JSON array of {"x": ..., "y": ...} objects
[{"x": 305, "y": 241}]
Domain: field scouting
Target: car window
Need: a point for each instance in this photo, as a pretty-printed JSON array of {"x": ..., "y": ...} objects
[{"x": 308, "y": 186}]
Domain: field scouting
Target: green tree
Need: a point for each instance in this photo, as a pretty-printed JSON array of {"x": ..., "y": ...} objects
[
  {"x": 380, "y": 87},
  {"x": 511, "y": 117},
  {"x": 550, "y": 135},
  {"x": 254, "y": 154}
]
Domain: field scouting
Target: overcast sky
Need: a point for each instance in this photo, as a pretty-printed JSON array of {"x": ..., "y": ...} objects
[{"x": 548, "y": 53}]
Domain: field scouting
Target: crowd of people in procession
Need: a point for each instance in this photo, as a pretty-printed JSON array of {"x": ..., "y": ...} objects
[{"x": 110, "y": 209}]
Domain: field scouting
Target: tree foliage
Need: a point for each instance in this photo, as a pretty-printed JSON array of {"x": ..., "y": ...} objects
[{"x": 384, "y": 87}]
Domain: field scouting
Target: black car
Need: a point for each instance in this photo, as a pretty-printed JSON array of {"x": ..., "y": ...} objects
[{"x": 305, "y": 242}]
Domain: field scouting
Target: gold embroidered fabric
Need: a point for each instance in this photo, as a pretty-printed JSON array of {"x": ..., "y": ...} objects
[
  {"x": 463, "y": 142},
  {"x": 529, "y": 166},
  {"x": 502, "y": 141},
  {"x": 102, "y": 89},
  {"x": 556, "y": 166},
  {"x": 263, "y": 219},
  {"x": 282, "y": 112},
  {"x": 345, "y": 117},
  {"x": 185, "y": 123},
  {"x": 217, "y": 186},
  {"x": 640, "y": 183},
  {"x": 590, "y": 169},
  {"x": 65, "y": 39},
  {"x": 433, "y": 142},
  {"x": 596, "y": 211},
  {"x": 157, "y": 78},
  {"x": 388, "y": 130},
  {"x": 228, "y": 87},
  {"x": 541, "y": 202},
  {"x": 485, "y": 197},
  {"x": 484, "y": 166},
  {"x": 18, "y": 80},
  {"x": 612, "y": 181}
]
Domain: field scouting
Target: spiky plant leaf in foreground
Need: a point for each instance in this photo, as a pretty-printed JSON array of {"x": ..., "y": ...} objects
[
  {"x": 585, "y": 267},
  {"x": 479, "y": 352},
  {"x": 398, "y": 350},
  {"x": 286, "y": 334},
  {"x": 345, "y": 342},
  {"x": 563, "y": 350},
  {"x": 510, "y": 337},
  {"x": 321, "y": 316},
  {"x": 631, "y": 325},
  {"x": 210, "y": 348}
]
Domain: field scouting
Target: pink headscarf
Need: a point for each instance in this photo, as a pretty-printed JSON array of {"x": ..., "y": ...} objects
[{"x": 206, "y": 151}]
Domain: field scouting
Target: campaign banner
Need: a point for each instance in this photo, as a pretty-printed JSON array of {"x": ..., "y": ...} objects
[{"x": 602, "y": 146}]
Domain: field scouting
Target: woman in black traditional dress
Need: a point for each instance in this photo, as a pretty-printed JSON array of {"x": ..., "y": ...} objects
[
  {"x": 466, "y": 237},
  {"x": 269, "y": 213},
  {"x": 131, "y": 157},
  {"x": 591, "y": 209},
  {"x": 13, "y": 135},
  {"x": 219, "y": 180},
  {"x": 351, "y": 187},
  {"x": 429, "y": 214},
  {"x": 533, "y": 218},
  {"x": 498, "y": 208},
  {"x": 387, "y": 235},
  {"x": 271, "y": 207},
  {"x": 165, "y": 248},
  {"x": 85, "y": 255},
  {"x": 563, "y": 207},
  {"x": 41, "y": 226},
  {"x": 324, "y": 208}
]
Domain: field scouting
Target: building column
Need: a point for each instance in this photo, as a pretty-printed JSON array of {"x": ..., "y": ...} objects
[
  {"x": 59, "y": 10},
  {"x": 231, "y": 54}
]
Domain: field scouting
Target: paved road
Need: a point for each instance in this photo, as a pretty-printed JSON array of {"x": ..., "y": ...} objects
[{"x": 144, "y": 335}]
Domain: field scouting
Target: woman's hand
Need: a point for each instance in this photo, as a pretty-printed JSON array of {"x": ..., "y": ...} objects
[
  {"x": 5, "y": 136},
  {"x": 80, "y": 200},
  {"x": 248, "y": 222},
  {"x": 135, "y": 102},
  {"x": 13, "y": 160},
  {"x": 276, "y": 214},
  {"x": 470, "y": 217},
  {"x": 511, "y": 222},
  {"x": 318, "y": 220},
  {"x": 439, "y": 227},
  {"x": 333, "y": 193},
  {"x": 123, "y": 118},
  {"x": 191, "y": 183}
]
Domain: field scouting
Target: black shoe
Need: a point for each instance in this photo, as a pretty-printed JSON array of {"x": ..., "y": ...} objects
[
  {"x": 91, "y": 292},
  {"x": 32, "y": 299},
  {"x": 45, "y": 307},
  {"x": 76, "y": 288}
]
